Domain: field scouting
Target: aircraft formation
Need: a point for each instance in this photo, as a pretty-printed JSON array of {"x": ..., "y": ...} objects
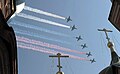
[
  {"x": 38, "y": 19},
  {"x": 78, "y": 38}
]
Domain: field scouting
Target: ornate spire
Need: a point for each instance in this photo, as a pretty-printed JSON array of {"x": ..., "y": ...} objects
[
  {"x": 114, "y": 56},
  {"x": 59, "y": 65}
]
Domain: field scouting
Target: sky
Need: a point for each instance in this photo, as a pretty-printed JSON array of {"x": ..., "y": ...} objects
[{"x": 35, "y": 32}]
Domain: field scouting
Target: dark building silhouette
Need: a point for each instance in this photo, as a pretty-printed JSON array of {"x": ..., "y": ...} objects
[
  {"x": 114, "y": 67},
  {"x": 114, "y": 16},
  {"x": 8, "y": 7},
  {"x": 111, "y": 70},
  {"x": 8, "y": 47}
]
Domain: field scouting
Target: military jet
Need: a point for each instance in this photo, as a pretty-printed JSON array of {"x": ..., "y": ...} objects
[
  {"x": 84, "y": 46},
  {"x": 88, "y": 54},
  {"x": 73, "y": 27},
  {"x": 79, "y": 38},
  {"x": 68, "y": 19},
  {"x": 92, "y": 60}
]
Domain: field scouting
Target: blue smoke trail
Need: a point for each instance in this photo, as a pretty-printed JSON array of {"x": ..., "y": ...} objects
[
  {"x": 37, "y": 28},
  {"x": 36, "y": 35}
]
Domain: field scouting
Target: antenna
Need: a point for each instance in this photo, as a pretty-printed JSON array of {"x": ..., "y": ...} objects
[{"x": 59, "y": 56}]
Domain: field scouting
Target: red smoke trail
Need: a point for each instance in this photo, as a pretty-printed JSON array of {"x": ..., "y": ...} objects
[
  {"x": 27, "y": 40},
  {"x": 33, "y": 48},
  {"x": 45, "y": 50}
]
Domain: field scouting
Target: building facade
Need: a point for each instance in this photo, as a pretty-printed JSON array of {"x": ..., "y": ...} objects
[
  {"x": 8, "y": 46},
  {"x": 7, "y": 7},
  {"x": 114, "y": 16}
]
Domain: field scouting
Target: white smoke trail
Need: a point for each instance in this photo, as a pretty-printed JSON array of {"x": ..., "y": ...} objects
[
  {"x": 28, "y": 33},
  {"x": 37, "y": 28},
  {"x": 42, "y": 20},
  {"x": 43, "y": 12},
  {"x": 44, "y": 44},
  {"x": 45, "y": 50}
]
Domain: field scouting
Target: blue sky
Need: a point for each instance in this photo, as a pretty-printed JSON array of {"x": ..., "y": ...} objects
[{"x": 88, "y": 16}]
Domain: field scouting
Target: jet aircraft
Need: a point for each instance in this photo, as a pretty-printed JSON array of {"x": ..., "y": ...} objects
[
  {"x": 79, "y": 38},
  {"x": 88, "y": 54},
  {"x": 68, "y": 19},
  {"x": 73, "y": 27},
  {"x": 92, "y": 60},
  {"x": 84, "y": 46}
]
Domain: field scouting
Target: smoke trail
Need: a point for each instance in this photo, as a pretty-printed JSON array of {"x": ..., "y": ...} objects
[
  {"x": 43, "y": 12},
  {"x": 28, "y": 46},
  {"x": 37, "y": 28},
  {"x": 45, "y": 50},
  {"x": 27, "y": 40},
  {"x": 38, "y": 36},
  {"x": 42, "y": 20}
]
